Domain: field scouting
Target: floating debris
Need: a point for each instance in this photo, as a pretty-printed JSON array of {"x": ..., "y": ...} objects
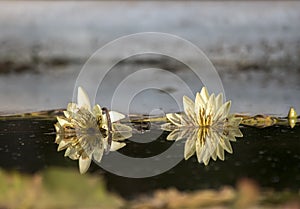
[
  {"x": 292, "y": 117},
  {"x": 259, "y": 121}
]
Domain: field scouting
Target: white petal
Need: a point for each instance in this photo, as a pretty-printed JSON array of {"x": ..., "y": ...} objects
[
  {"x": 210, "y": 105},
  {"x": 115, "y": 116},
  {"x": 186, "y": 132},
  {"x": 220, "y": 152},
  {"x": 234, "y": 121},
  {"x": 227, "y": 108},
  {"x": 121, "y": 136},
  {"x": 83, "y": 99},
  {"x": 98, "y": 152},
  {"x": 72, "y": 153},
  {"x": 235, "y": 133},
  {"x": 84, "y": 164},
  {"x": 67, "y": 114},
  {"x": 119, "y": 127},
  {"x": 226, "y": 145},
  {"x": 62, "y": 121},
  {"x": 58, "y": 128},
  {"x": 212, "y": 141},
  {"x": 174, "y": 135},
  {"x": 58, "y": 138},
  {"x": 68, "y": 151},
  {"x": 199, "y": 104},
  {"x": 222, "y": 112},
  {"x": 199, "y": 150},
  {"x": 121, "y": 132},
  {"x": 116, "y": 145},
  {"x": 189, "y": 109},
  {"x": 63, "y": 145},
  {"x": 189, "y": 146},
  {"x": 204, "y": 94},
  {"x": 206, "y": 160},
  {"x": 188, "y": 104},
  {"x": 219, "y": 101},
  {"x": 167, "y": 127},
  {"x": 97, "y": 110},
  {"x": 174, "y": 118},
  {"x": 72, "y": 107}
]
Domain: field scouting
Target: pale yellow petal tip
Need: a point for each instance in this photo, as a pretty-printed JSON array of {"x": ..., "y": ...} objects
[
  {"x": 204, "y": 93},
  {"x": 117, "y": 145},
  {"x": 185, "y": 97},
  {"x": 234, "y": 120},
  {"x": 62, "y": 145},
  {"x": 169, "y": 115},
  {"x": 62, "y": 121},
  {"x": 228, "y": 105},
  {"x": 174, "y": 119},
  {"x": 84, "y": 164},
  {"x": 166, "y": 127},
  {"x": 204, "y": 90},
  {"x": 172, "y": 116},
  {"x": 121, "y": 128},
  {"x": 115, "y": 116},
  {"x": 173, "y": 136},
  {"x": 72, "y": 107},
  {"x": 66, "y": 113},
  {"x": 97, "y": 110},
  {"x": 57, "y": 127},
  {"x": 292, "y": 113},
  {"x": 239, "y": 134},
  {"x": 205, "y": 162},
  {"x": 292, "y": 122},
  {"x": 83, "y": 98},
  {"x": 187, "y": 100}
]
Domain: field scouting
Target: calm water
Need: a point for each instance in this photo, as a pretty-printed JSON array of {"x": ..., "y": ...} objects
[{"x": 270, "y": 156}]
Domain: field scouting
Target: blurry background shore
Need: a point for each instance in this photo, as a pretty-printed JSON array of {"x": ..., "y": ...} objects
[{"x": 255, "y": 47}]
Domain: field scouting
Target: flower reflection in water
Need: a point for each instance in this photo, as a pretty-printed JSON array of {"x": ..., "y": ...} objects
[
  {"x": 207, "y": 125},
  {"x": 206, "y": 142},
  {"x": 87, "y": 133}
]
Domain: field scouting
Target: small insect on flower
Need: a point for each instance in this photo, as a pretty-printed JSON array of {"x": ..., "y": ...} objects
[
  {"x": 86, "y": 133},
  {"x": 207, "y": 125}
]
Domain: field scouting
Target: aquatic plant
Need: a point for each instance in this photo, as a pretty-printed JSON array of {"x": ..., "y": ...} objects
[
  {"x": 86, "y": 133},
  {"x": 207, "y": 125}
]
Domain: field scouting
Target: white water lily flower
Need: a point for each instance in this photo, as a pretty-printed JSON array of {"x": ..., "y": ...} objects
[
  {"x": 207, "y": 110},
  {"x": 84, "y": 132},
  {"x": 206, "y": 124}
]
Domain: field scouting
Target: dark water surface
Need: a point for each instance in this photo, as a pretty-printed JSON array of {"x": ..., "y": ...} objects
[{"x": 270, "y": 156}]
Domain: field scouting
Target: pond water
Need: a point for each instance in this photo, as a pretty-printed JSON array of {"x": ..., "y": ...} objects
[{"x": 270, "y": 156}]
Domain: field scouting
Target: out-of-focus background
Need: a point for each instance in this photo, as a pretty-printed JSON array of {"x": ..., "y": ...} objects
[{"x": 255, "y": 47}]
